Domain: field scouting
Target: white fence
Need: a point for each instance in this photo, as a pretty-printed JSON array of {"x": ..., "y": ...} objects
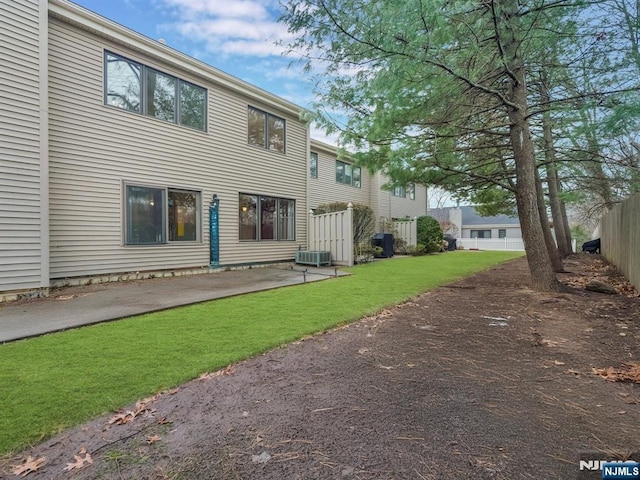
[
  {"x": 333, "y": 232},
  {"x": 514, "y": 244},
  {"x": 407, "y": 231}
]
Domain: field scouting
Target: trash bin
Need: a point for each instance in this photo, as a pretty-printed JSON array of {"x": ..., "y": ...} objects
[
  {"x": 384, "y": 240},
  {"x": 592, "y": 246},
  {"x": 452, "y": 243}
]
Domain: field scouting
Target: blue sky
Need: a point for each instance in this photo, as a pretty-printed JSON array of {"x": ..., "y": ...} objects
[{"x": 236, "y": 36}]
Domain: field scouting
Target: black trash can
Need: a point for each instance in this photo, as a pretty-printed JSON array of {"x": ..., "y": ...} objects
[
  {"x": 452, "y": 243},
  {"x": 384, "y": 240},
  {"x": 592, "y": 246}
]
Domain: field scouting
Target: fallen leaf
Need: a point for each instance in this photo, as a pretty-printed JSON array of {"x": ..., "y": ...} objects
[
  {"x": 126, "y": 416},
  {"x": 153, "y": 439},
  {"x": 218, "y": 373},
  {"x": 630, "y": 373},
  {"x": 80, "y": 461},
  {"x": 30, "y": 465}
]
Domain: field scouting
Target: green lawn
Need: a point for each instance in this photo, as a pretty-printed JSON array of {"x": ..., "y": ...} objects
[{"x": 58, "y": 380}]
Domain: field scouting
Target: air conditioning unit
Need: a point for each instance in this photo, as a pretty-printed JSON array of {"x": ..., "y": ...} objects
[{"x": 313, "y": 257}]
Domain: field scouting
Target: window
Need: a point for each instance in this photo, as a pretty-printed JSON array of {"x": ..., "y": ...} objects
[
  {"x": 356, "y": 177},
  {"x": 399, "y": 192},
  {"x": 502, "y": 233},
  {"x": 155, "y": 214},
  {"x": 313, "y": 165},
  {"x": 348, "y": 174},
  {"x": 183, "y": 215},
  {"x": 123, "y": 83},
  {"x": 266, "y": 130},
  {"x": 480, "y": 233},
  {"x": 137, "y": 88},
  {"x": 266, "y": 218},
  {"x": 412, "y": 191}
]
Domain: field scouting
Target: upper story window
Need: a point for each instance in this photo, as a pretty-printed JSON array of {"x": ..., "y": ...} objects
[
  {"x": 266, "y": 130},
  {"x": 137, "y": 88},
  {"x": 399, "y": 192},
  {"x": 411, "y": 188},
  {"x": 348, "y": 174},
  {"x": 313, "y": 165}
]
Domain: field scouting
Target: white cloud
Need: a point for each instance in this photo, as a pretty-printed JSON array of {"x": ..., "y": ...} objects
[
  {"x": 216, "y": 8},
  {"x": 231, "y": 27}
]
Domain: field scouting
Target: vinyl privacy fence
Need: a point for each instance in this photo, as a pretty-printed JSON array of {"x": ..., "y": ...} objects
[
  {"x": 620, "y": 238},
  {"x": 333, "y": 232}
]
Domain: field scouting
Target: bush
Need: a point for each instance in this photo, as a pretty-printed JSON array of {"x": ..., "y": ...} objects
[{"x": 429, "y": 234}]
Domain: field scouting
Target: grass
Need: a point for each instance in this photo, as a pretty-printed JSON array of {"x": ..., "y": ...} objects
[{"x": 59, "y": 380}]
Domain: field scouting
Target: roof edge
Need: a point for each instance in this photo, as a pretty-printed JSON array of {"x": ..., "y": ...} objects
[{"x": 102, "y": 26}]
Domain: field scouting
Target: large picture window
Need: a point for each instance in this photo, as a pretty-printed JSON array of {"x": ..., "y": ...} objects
[
  {"x": 348, "y": 174},
  {"x": 137, "y": 88},
  {"x": 265, "y": 130},
  {"x": 266, "y": 218},
  {"x": 157, "y": 215}
]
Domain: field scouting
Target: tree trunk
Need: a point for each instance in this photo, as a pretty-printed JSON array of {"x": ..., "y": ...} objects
[
  {"x": 543, "y": 278},
  {"x": 555, "y": 202},
  {"x": 565, "y": 220},
  {"x": 554, "y": 254},
  {"x": 552, "y": 181}
]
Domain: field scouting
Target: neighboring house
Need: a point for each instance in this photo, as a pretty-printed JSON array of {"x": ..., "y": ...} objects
[
  {"x": 336, "y": 179},
  {"x": 466, "y": 222}
]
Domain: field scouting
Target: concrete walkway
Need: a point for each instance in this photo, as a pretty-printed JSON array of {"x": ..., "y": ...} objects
[{"x": 76, "y": 306}]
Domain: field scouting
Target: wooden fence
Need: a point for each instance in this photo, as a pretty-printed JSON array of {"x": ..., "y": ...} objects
[
  {"x": 333, "y": 232},
  {"x": 620, "y": 238}
]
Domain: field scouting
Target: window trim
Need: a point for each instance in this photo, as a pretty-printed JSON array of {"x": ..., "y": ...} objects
[
  {"x": 276, "y": 221},
  {"x": 267, "y": 129},
  {"x": 144, "y": 107},
  {"x": 166, "y": 233},
  {"x": 411, "y": 191}
]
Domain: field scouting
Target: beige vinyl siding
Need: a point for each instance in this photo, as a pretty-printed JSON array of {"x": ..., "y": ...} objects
[
  {"x": 96, "y": 148},
  {"x": 398, "y": 207},
  {"x": 325, "y": 188},
  {"x": 22, "y": 263}
]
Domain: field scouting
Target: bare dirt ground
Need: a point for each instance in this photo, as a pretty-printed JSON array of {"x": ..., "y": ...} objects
[{"x": 481, "y": 379}]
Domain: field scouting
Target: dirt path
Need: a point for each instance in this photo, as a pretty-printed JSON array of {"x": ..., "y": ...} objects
[{"x": 482, "y": 379}]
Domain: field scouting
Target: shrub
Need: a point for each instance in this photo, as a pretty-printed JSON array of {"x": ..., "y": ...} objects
[{"x": 429, "y": 234}]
